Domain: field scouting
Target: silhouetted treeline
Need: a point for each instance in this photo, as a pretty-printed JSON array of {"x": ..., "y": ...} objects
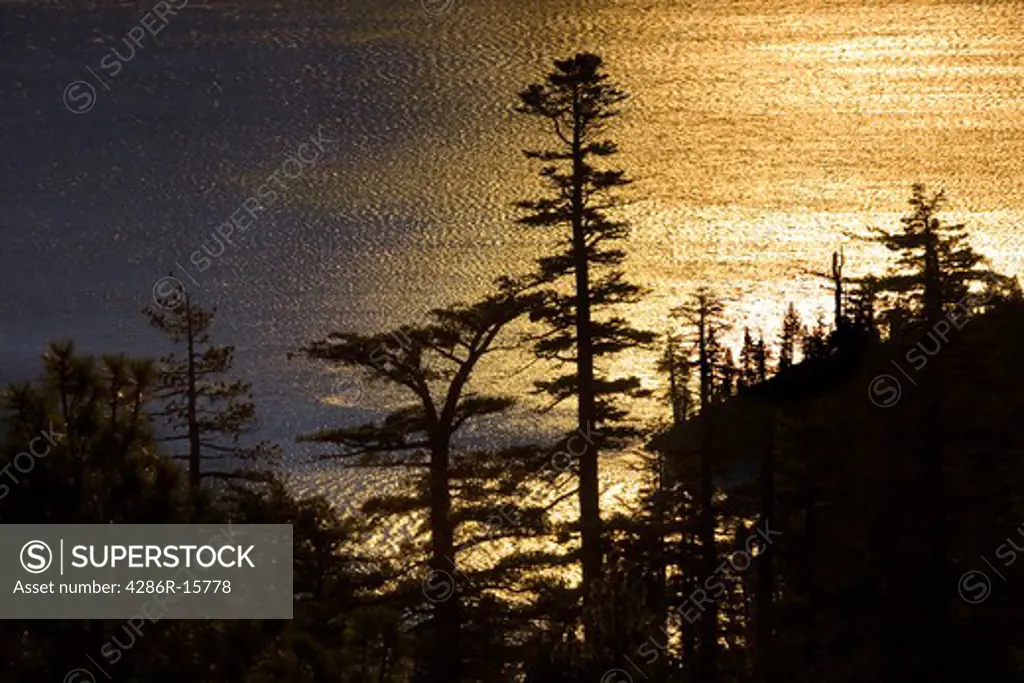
[{"x": 841, "y": 503}]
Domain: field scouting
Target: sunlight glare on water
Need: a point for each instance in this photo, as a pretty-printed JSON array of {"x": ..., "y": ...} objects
[{"x": 759, "y": 134}]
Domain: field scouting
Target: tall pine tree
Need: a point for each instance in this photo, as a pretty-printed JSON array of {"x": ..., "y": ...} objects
[{"x": 578, "y": 101}]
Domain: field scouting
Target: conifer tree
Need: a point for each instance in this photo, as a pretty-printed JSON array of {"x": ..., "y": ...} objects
[
  {"x": 750, "y": 362},
  {"x": 89, "y": 417},
  {"x": 792, "y": 333},
  {"x": 703, "y": 315},
  {"x": 815, "y": 343},
  {"x": 675, "y": 363},
  {"x": 726, "y": 376},
  {"x": 201, "y": 405},
  {"x": 935, "y": 265},
  {"x": 761, "y": 358},
  {"x": 932, "y": 280},
  {"x": 578, "y": 102},
  {"x": 863, "y": 305},
  {"x": 838, "y": 261},
  {"x": 432, "y": 364}
]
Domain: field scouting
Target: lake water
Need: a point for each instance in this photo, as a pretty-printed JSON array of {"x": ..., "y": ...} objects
[{"x": 759, "y": 133}]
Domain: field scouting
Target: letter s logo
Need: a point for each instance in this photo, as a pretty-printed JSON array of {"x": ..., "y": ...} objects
[{"x": 36, "y": 557}]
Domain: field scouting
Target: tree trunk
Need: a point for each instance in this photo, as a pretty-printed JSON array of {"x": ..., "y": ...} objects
[
  {"x": 385, "y": 661},
  {"x": 446, "y": 656},
  {"x": 195, "y": 457},
  {"x": 765, "y": 562},
  {"x": 673, "y": 385},
  {"x": 193, "y": 426},
  {"x": 709, "y": 620},
  {"x": 930, "y": 462},
  {"x": 937, "y": 577},
  {"x": 659, "y": 607},
  {"x": 837, "y": 288},
  {"x": 589, "y": 492},
  {"x": 810, "y": 552},
  {"x": 689, "y": 583}
]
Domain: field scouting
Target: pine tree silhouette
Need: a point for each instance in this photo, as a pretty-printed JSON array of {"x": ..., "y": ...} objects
[{"x": 579, "y": 102}]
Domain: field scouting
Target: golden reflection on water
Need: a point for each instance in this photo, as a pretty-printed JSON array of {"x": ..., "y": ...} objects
[
  {"x": 763, "y": 134},
  {"x": 760, "y": 134}
]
